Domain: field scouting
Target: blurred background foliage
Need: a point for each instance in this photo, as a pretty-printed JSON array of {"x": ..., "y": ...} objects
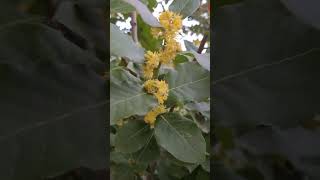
[
  {"x": 53, "y": 94},
  {"x": 266, "y": 99}
]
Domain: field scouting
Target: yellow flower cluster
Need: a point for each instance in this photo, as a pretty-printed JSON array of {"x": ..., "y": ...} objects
[
  {"x": 151, "y": 116},
  {"x": 152, "y": 62},
  {"x": 171, "y": 23},
  {"x": 158, "y": 88},
  {"x": 170, "y": 50}
]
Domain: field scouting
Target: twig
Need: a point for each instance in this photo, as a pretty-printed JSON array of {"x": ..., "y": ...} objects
[
  {"x": 201, "y": 46},
  {"x": 203, "y": 42},
  {"x": 134, "y": 29}
]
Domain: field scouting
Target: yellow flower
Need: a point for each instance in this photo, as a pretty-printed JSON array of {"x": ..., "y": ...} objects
[
  {"x": 156, "y": 32},
  {"x": 172, "y": 45},
  {"x": 147, "y": 72},
  {"x": 158, "y": 88},
  {"x": 151, "y": 86},
  {"x": 197, "y": 42},
  {"x": 152, "y": 59},
  {"x": 163, "y": 91},
  {"x": 170, "y": 50},
  {"x": 152, "y": 62},
  {"x": 171, "y": 21},
  {"x": 151, "y": 116}
]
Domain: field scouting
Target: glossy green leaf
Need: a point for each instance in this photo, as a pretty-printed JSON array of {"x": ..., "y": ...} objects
[
  {"x": 122, "y": 45},
  {"x": 180, "y": 137}
]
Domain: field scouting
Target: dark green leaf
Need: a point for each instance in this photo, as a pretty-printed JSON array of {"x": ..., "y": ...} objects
[
  {"x": 150, "y": 152},
  {"x": 170, "y": 171},
  {"x": 122, "y": 172},
  {"x": 132, "y": 136}
]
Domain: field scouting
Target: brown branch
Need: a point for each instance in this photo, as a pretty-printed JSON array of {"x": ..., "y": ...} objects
[
  {"x": 134, "y": 29},
  {"x": 201, "y": 46},
  {"x": 203, "y": 42}
]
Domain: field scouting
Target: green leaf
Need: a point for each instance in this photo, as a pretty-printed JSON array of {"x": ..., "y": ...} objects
[
  {"x": 202, "y": 123},
  {"x": 202, "y": 107},
  {"x": 127, "y": 96},
  {"x": 203, "y": 59},
  {"x": 150, "y": 152},
  {"x": 144, "y": 12},
  {"x": 118, "y": 158},
  {"x": 180, "y": 58},
  {"x": 202, "y": 175},
  {"x": 118, "y": 6},
  {"x": 132, "y": 136},
  {"x": 206, "y": 165},
  {"x": 152, "y": 4},
  {"x": 185, "y": 7},
  {"x": 122, "y": 45},
  {"x": 180, "y": 137},
  {"x": 190, "y": 46},
  {"x": 170, "y": 171},
  {"x": 189, "y": 82},
  {"x": 145, "y": 37}
]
